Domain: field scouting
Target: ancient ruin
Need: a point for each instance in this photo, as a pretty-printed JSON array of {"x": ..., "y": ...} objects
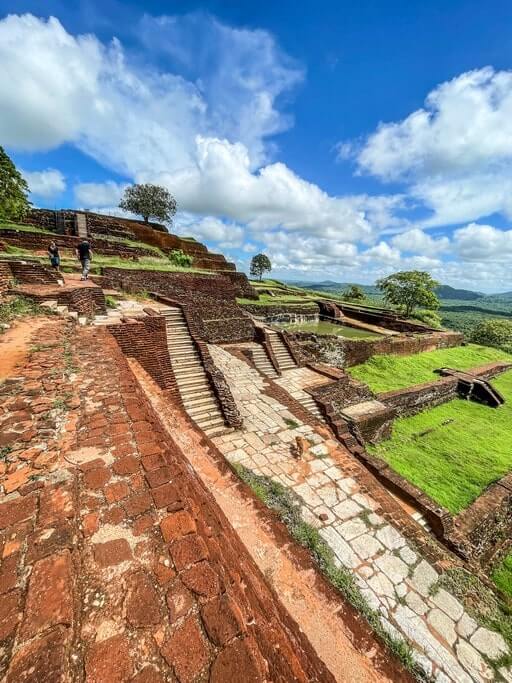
[{"x": 191, "y": 486}]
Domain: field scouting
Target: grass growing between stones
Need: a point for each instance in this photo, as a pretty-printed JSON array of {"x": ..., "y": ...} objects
[
  {"x": 455, "y": 451},
  {"x": 19, "y": 307},
  {"x": 486, "y": 608},
  {"x": 5, "y": 225},
  {"x": 387, "y": 372},
  {"x": 285, "y": 504},
  {"x": 502, "y": 575}
]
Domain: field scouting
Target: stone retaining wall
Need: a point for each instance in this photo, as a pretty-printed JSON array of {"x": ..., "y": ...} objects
[
  {"x": 37, "y": 241},
  {"x": 146, "y": 341},
  {"x": 25, "y": 272},
  {"x": 341, "y": 352},
  {"x": 210, "y": 299},
  {"x": 486, "y": 525},
  {"x": 281, "y": 312},
  {"x": 6, "y": 278},
  {"x": 478, "y": 533},
  {"x": 415, "y": 399},
  {"x": 149, "y": 233}
]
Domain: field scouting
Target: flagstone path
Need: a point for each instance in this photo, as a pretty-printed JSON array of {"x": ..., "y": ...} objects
[{"x": 391, "y": 575}]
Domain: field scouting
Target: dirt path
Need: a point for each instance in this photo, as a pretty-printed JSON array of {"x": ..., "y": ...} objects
[
  {"x": 348, "y": 654},
  {"x": 14, "y": 345}
]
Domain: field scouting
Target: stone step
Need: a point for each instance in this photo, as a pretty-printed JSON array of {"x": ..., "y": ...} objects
[
  {"x": 185, "y": 361},
  {"x": 189, "y": 373},
  {"x": 197, "y": 400},
  {"x": 182, "y": 348},
  {"x": 178, "y": 335},
  {"x": 210, "y": 422},
  {"x": 192, "y": 393},
  {"x": 205, "y": 415},
  {"x": 51, "y": 303},
  {"x": 181, "y": 369},
  {"x": 211, "y": 407},
  {"x": 216, "y": 431},
  {"x": 189, "y": 381}
]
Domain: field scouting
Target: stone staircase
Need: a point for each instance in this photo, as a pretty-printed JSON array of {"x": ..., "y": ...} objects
[
  {"x": 81, "y": 225},
  {"x": 310, "y": 405},
  {"x": 198, "y": 398},
  {"x": 54, "y": 306},
  {"x": 283, "y": 356},
  {"x": 262, "y": 362}
]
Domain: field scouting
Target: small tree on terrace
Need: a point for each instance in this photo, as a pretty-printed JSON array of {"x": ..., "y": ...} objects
[
  {"x": 409, "y": 290},
  {"x": 354, "y": 293},
  {"x": 14, "y": 204},
  {"x": 260, "y": 264},
  {"x": 149, "y": 201}
]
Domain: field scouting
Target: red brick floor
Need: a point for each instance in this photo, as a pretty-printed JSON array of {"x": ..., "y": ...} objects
[{"x": 116, "y": 563}]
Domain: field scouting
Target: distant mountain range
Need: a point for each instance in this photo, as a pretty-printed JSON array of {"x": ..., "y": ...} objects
[{"x": 444, "y": 292}]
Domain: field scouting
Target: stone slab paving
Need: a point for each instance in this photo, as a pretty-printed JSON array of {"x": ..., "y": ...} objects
[
  {"x": 394, "y": 579},
  {"x": 296, "y": 380}
]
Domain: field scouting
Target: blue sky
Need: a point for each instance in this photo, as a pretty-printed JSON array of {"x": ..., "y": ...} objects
[{"x": 346, "y": 140}]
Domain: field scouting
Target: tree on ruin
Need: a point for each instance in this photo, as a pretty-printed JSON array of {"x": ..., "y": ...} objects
[
  {"x": 409, "y": 290},
  {"x": 149, "y": 201},
  {"x": 260, "y": 264},
  {"x": 354, "y": 293},
  {"x": 14, "y": 204}
]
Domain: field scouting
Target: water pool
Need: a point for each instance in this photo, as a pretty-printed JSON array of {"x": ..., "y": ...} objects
[{"x": 323, "y": 328}]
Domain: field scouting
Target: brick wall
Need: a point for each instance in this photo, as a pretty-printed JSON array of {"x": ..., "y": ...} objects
[
  {"x": 412, "y": 400},
  {"x": 380, "y": 317},
  {"x": 86, "y": 301},
  {"x": 146, "y": 341},
  {"x": 37, "y": 241},
  {"x": 486, "y": 525},
  {"x": 149, "y": 233},
  {"x": 217, "y": 380},
  {"x": 6, "y": 277},
  {"x": 210, "y": 300},
  {"x": 25, "y": 272},
  {"x": 348, "y": 352},
  {"x": 281, "y": 312},
  {"x": 415, "y": 399},
  {"x": 477, "y": 533}
]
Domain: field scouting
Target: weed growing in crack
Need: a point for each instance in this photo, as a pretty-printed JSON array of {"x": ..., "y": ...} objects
[
  {"x": 4, "y": 452},
  {"x": 291, "y": 424},
  {"x": 18, "y": 307},
  {"x": 282, "y": 501},
  {"x": 482, "y": 604}
]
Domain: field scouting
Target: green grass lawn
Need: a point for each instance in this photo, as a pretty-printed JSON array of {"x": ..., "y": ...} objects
[
  {"x": 99, "y": 261},
  {"x": 21, "y": 227},
  {"x": 502, "y": 575},
  {"x": 386, "y": 373},
  {"x": 454, "y": 451}
]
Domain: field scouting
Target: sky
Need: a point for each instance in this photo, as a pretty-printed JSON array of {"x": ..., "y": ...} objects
[{"x": 345, "y": 140}]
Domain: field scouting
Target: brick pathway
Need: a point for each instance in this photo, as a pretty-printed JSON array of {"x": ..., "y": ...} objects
[
  {"x": 394, "y": 579},
  {"x": 116, "y": 564}
]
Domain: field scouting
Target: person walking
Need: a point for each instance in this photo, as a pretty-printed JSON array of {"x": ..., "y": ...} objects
[
  {"x": 54, "y": 256},
  {"x": 84, "y": 255}
]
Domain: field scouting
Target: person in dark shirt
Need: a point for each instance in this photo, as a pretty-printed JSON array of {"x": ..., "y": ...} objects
[
  {"x": 84, "y": 255},
  {"x": 54, "y": 256}
]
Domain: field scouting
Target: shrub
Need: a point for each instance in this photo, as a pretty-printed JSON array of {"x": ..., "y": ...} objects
[
  {"x": 430, "y": 318},
  {"x": 497, "y": 333},
  {"x": 178, "y": 258}
]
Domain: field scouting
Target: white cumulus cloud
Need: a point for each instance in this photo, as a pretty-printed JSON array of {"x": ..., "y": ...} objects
[{"x": 47, "y": 184}]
